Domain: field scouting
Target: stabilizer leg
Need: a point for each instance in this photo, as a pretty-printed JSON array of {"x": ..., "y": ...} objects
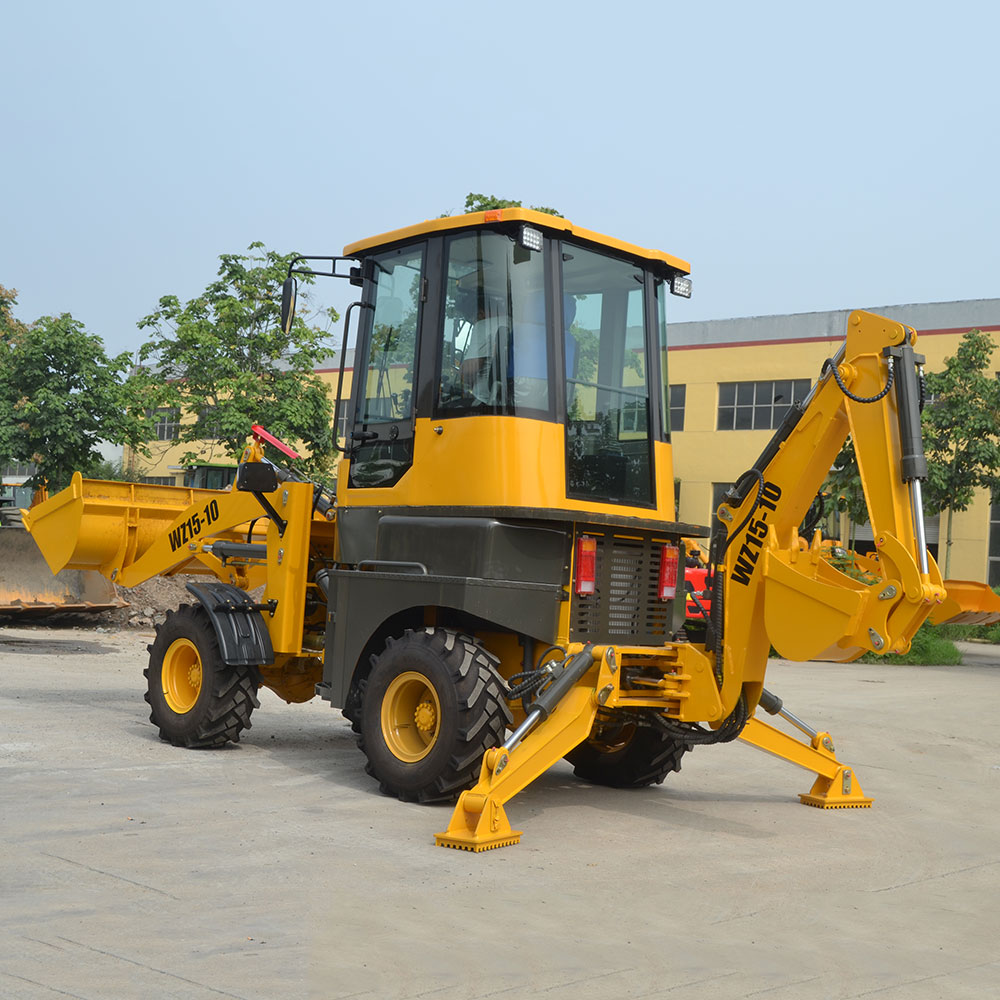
[
  {"x": 479, "y": 822},
  {"x": 836, "y": 786}
]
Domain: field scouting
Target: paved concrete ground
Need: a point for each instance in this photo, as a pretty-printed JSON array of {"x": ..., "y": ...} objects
[{"x": 276, "y": 870}]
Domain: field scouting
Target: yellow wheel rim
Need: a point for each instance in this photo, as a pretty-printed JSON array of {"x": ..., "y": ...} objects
[
  {"x": 411, "y": 717},
  {"x": 181, "y": 675},
  {"x": 617, "y": 739}
]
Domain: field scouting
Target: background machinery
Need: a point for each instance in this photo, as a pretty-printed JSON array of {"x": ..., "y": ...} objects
[
  {"x": 498, "y": 582},
  {"x": 28, "y": 588}
]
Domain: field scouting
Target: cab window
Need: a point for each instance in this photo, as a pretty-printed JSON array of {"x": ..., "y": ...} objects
[
  {"x": 383, "y": 424},
  {"x": 608, "y": 439},
  {"x": 494, "y": 353}
]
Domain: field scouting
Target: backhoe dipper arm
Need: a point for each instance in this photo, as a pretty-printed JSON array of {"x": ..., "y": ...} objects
[{"x": 773, "y": 592}]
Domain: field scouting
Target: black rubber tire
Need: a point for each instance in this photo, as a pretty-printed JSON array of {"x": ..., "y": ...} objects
[
  {"x": 641, "y": 756},
  {"x": 473, "y": 714},
  {"x": 225, "y": 698}
]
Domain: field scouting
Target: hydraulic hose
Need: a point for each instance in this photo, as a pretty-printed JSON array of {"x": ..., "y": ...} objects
[{"x": 575, "y": 667}]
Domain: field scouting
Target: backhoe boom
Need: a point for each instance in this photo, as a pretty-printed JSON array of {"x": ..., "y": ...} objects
[{"x": 776, "y": 593}]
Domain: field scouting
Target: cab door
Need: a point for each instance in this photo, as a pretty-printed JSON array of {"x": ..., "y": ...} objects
[{"x": 381, "y": 438}]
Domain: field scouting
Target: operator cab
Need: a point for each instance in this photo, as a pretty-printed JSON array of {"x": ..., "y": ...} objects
[{"x": 513, "y": 347}]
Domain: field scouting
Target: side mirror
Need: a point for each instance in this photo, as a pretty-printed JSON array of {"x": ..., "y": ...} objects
[
  {"x": 256, "y": 477},
  {"x": 288, "y": 290}
]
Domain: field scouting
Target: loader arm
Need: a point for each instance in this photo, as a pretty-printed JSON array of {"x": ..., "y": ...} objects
[{"x": 775, "y": 593}]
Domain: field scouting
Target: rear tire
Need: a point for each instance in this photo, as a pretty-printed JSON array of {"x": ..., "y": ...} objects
[
  {"x": 196, "y": 700},
  {"x": 627, "y": 756},
  {"x": 432, "y": 706}
]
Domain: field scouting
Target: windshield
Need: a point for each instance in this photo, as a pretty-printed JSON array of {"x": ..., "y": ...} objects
[
  {"x": 608, "y": 439},
  {"x": 494, "y": 356}
]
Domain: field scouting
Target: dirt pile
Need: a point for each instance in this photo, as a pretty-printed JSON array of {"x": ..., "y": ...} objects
[{"x": 149, "y": 602}]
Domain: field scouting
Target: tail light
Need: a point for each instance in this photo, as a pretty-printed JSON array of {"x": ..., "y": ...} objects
[
  {"x": 669, "y": 558},
  {"x": 586, "y": 565}
]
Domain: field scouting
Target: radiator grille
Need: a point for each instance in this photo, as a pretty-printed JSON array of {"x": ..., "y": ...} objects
[{"x": 625, "y": 606}]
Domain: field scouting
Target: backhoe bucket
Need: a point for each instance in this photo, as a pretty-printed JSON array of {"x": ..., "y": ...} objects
[
  {"x": 98, "y": 524},
  {"x": 967, "y": 603},
  {"x": 28, "y": 586}
]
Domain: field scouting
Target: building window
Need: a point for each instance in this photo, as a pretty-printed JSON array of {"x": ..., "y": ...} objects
[
  {"x": 159, "y": 480},
  {"x": 166, "y": 422},
  {"x": 18, "y": 470},
  {"x": 209, "y": 477},
  {"x": 678, "y": 396},
  {"x": 634, "y": 417},
  {"x": 211, "y": 427},
  {"x": 756, "y": 406}
]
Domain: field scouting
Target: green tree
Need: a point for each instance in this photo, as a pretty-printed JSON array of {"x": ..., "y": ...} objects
[
  {"x": 844, "y": 485},
  {"x": 61, "y": 395},
  {"x": 9, "y": 324},
  {"x": 960, "y": 426},
  {"x": 488, "y": 202},
  {"x": 960, "y": 432},
  {"x": 116, "y": 471},
  {"x": 223, "y": 360}
]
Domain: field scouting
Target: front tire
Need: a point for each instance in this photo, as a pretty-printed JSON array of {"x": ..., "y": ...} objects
[
  {"x": 196, "y": 700},
  {"x": 432, "y": 706},
  {"x": 627, "y": 756}
]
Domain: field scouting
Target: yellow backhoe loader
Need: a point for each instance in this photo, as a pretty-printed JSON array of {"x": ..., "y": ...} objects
[{"x": 498, "y": 582}]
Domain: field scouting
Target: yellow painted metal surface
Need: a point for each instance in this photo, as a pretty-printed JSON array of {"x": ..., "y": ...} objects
[
  {"x": 835, "y": 787},
  {"x": 133, "y": 531},
  {"x": 541, "y": 220},
  {"x": 811, "y": 610},
  {"x": 486, "y": 461},
  {"x": 967, "y": 603},
  {"x": 181, "y": 675},
  {"x": 676, "y": 679},
  {"x": 479, "y": 821},
  {"x": 288, "y": 563},
  {"x": 410, "y": 717}
]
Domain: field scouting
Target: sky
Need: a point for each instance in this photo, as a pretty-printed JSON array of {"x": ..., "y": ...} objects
[{"x": 801, "y": 156}]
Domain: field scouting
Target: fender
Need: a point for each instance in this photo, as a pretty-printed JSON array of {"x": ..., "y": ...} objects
[{"x": 239, "y": 626}]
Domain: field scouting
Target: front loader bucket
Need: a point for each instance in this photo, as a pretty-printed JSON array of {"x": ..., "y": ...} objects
[
  {"x": 28, "y": 586},
  {"x": 967, "y": 603},
  {"x": 97, "y": 524}
]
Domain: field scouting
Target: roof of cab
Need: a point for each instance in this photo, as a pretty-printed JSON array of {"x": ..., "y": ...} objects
[{"x": 553, "y": 223}]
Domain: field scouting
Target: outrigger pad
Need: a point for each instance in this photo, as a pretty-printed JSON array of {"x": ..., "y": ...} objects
[
  {"x": 842, "y": 791},
  {"x": 443, "y": 840},
  {"x": 479, "y": 823}
]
